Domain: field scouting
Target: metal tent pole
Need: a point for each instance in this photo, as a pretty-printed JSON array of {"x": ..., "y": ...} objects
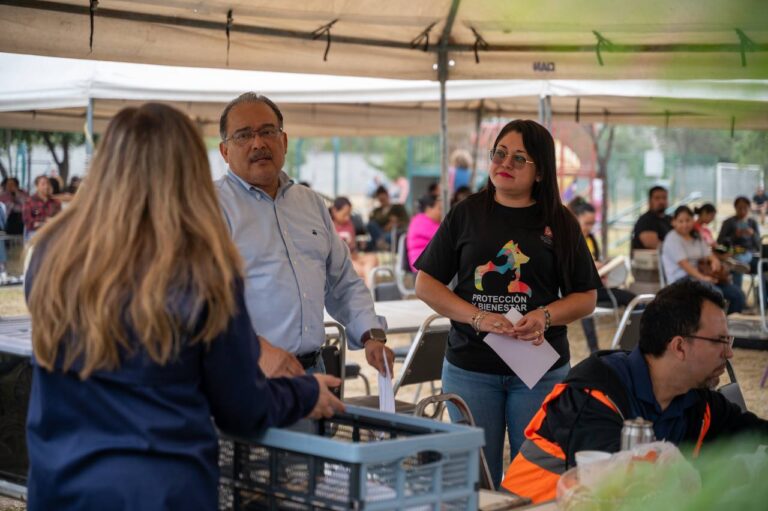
[
  {"x": 476, "y": 145},
  {"x": 442, "y": 76},
  {"x": 336, "y": 151},
  {"x": 89, "y": 133},
  {"x": 445, "y": 192}
]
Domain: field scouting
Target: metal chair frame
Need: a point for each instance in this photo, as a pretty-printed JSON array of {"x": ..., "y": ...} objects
[
  {"x": 399, "y": 270},
  {"x": 439, "y": 400},
  {"x": 626, "y": 321},
  {"x": 377, "y": 291},
  {"x": 337, "y": 343}
]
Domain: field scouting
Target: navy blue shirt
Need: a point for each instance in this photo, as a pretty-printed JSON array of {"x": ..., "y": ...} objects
[
  {"x": 141, "y": 437},
  {"x": 632, "y": 370}
]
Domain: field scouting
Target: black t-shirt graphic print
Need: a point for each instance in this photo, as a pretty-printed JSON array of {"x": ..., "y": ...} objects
[{"x": 504, "y": 258}]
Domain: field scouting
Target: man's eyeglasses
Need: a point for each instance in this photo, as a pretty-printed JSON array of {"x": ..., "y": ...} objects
[
  {"x": 727, "y": 339},
  {"x": 245, "y": 136},
  {"x": 499, "y": 155}
]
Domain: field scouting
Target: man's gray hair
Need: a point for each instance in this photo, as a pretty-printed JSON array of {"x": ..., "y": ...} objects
[{"x": 247, "y": 97}]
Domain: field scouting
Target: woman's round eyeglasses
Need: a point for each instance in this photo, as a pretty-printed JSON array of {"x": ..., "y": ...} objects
[{"x": 498, "y": 156}]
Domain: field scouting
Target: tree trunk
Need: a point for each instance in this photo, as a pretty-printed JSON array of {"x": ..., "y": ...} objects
[
  {"x": 603, "y": 157},
  {"x": 51, "y": 145},
  {"x": 7, "y": 147},
  {"x": 29, "y": 158},
  {"x": 604, "y": 173},
  {"x": 64, "y": 167},
  {"x": 3, "y": 171}
]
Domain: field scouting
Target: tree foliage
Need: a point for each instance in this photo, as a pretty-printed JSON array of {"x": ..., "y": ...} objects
[{"x": 58, "y": 144}]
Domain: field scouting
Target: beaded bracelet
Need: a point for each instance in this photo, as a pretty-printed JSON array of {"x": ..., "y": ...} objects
[{"x": 547, "y": 318}]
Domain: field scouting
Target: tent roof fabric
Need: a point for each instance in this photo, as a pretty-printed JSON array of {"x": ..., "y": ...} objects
[
  {"x": 488, "y": 39},
  {"x": 52, "y": 94}
]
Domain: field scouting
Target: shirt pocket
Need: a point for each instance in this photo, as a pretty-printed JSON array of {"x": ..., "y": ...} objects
[{"x": 312, "y": 243}]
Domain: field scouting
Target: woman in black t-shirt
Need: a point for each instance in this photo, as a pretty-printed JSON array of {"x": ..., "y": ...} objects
[{"x": 512, "y": 245}]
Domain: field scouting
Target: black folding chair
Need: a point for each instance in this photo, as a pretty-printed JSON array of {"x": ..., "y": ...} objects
[
  {"x": 384, "y": 285},
  {"x": 732, "y": 390},
  {"x": 334, "y": 358},
  {"x": 628, "y": 332},
  {"x": 423, "y": 364}
]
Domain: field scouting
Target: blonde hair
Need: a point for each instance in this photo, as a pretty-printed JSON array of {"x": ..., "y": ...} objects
[
  {"x": 142, "y": 254},
  {"x": 460, "y": 158}
]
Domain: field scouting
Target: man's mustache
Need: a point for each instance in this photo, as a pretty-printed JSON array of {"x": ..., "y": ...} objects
[{"x": 259, "y": 154}]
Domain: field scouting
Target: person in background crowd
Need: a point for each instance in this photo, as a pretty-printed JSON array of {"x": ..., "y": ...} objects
[
  {"x": 585, "y": 215},
  {"x": 74, "y": 184},
  {"x": 58, "y": 190},
  {"x": 434, "y": 188},
  {"x": 39, "y": 207},
  {"x": 705, "y": 214},
  {"x": 513, "y": 246},
  {"x": 141, "y": 335},
  {"x": 294, "y": 260},
  {"x": 341, "y": 214},
  {"x": 460, "y": 172},
  {"x": 384, "y": 218},
  {"x": 761, "y": 202},
  {"x": 423, "y": 227},
  {"x": 14, "y": 198},
  {"x": 461, "y": 193},
  {"x": 742, "y": 235},
  {"x": 667, "y": 379},
  {"x": 653, "y": 225},
  {"x": 684, "y": 254}
]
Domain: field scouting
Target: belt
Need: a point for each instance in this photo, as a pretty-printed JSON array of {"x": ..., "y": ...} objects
[{"x": 308, "y": 360}]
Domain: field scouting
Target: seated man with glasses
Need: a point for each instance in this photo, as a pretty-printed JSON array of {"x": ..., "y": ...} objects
[{"x": 667, "y": 379}]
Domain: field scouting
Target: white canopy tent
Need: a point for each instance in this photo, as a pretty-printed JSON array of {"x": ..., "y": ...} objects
[
  {"x": 485, "y": 39},
  {"x": 54, "y": 94},
  {"x": 429, "y": 39}
]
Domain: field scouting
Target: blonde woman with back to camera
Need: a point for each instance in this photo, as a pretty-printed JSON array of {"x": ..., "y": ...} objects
[{"x": 141, "y": 335}]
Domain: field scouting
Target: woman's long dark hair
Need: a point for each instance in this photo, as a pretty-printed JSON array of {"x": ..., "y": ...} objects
[
  {"x": 705, "y": 208},
  {"x": 540, "y": 146}
]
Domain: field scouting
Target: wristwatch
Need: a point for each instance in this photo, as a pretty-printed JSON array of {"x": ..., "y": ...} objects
[{"x": 374, "y": 334}]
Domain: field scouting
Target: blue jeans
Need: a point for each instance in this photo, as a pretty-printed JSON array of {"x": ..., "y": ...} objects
[
  {"x": 734, "y": 295},
  {"x": 745, "y": 258},
  {"x": 498, "y": 403}
]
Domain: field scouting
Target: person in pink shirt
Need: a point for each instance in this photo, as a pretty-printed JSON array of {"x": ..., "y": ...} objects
[
  {"x": 423, "y": 227},
  {"x": 704, "y": 215}
]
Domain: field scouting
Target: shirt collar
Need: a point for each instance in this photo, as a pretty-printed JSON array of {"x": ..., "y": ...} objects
[
  {"x": 641, "y": 377},
  {"x": 284, "y": 182}
]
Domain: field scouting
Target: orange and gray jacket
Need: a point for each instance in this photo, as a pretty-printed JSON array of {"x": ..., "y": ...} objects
[{"x": 587, "y": 411}]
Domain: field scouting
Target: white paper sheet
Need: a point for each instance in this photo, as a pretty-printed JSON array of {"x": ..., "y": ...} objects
[
  {"x": 529, "y": 362},
  {"x": 386, "y": 392}
]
